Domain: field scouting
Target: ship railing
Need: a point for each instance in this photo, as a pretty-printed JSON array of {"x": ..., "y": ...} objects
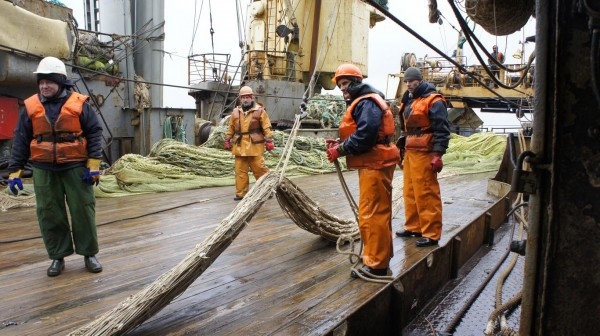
[
  {"x": 500, "y": 130},
  {"x": 257, "y": 65},
  {"x": 215, "y": 68},
  {"x": 269, "y": 64},
  {"x": 254, "y": 65},
  {"x": 211, "y": 67},
  {"x": 439, "y": 71}
]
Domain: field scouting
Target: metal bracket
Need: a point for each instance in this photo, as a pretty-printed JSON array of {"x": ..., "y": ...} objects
[{"x": 523, "y": 181}]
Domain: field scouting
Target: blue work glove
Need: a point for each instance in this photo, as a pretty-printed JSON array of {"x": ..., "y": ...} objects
[
  {"x": 14, "y": 181},
  {"x": 91, "y": 175}
]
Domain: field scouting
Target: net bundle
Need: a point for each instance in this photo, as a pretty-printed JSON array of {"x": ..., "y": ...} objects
[
  {"x": 176, "y": 166},
  {"x": 500, "y": 17}
]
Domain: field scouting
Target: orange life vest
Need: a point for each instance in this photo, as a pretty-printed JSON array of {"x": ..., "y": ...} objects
[
  {"x": 384, "y": 153},
  {"x": 419, "y": 135},
  {"x": 62, "y": 142},
  {"x": 254, "y": 130}
]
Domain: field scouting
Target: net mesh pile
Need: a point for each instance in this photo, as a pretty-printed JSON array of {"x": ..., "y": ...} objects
[
  {"x": 175, "y": 166},
  {"x": 478, "y": 153}
]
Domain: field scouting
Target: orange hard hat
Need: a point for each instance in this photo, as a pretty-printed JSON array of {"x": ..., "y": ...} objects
[
  {"x": 245, "y": 91},
  {"x": 346, "y": 70}
]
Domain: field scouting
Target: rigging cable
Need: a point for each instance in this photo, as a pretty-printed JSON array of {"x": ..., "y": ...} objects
[
  {"x": 470, "y": 37},
  {"x": 212, "y": 31},
  {"x": 469, "y": 34},
  {"x": 241, "y": 38},
  {"x": 196, "y": 25},
  {"x": 460, "y": 67}
]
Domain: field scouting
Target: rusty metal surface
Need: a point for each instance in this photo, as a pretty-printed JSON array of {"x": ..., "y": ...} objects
[{"x": 444, "y": 308}]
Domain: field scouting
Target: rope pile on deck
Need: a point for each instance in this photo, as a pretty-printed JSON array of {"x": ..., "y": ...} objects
[
  {"x": 307, "y": 214},
  {"x": 26, "y": 198},
  {"x": 137, "y": 308}
]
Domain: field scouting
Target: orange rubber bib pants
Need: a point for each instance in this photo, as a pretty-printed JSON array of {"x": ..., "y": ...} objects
[
  {"x": 375, "y": 215},
  {"x": 422, "y": 198}
]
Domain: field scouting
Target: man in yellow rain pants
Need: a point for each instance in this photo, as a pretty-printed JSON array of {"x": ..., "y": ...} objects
[
  {"x": 247, "y": 137},
  {"x": 427, "y": 132}
]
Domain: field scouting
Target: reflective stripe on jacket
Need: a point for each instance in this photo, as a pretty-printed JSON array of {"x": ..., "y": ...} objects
[
  {"x": 62, "y": 142},
  {"x": 384, "y": 153},
  {"x": 417, "y": 126}
]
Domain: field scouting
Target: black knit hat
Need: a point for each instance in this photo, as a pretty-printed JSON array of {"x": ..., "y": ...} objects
[
  {"x": 56, "y": 78},
  {"x": 413, "y": 73}
]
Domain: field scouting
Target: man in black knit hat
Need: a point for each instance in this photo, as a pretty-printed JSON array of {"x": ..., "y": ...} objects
[
  {"x": 59, "y": 133},
  {"x": 424, "y": 117}
]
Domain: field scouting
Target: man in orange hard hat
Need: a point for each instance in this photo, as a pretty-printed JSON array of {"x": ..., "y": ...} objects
[
  {"x": 247, "y": 137},
  {"x": 366, "y": 132}
]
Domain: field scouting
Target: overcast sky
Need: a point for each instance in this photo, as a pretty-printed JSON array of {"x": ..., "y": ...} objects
[{"x": 387, "y": 40}]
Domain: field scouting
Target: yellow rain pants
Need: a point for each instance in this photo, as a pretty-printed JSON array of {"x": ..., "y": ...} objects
[
  {"x": 242, "y": 180},
  {"x": 422, "y": 197},
  {"x": 375, "y": 215}
]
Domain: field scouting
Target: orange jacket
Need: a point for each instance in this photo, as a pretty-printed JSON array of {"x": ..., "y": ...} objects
[
  {"x": 62, "y": 142},
  {"x": 419, "y": 135},
  {"x": 384, "y": 153},
  {"x": 248, "y": 131}
]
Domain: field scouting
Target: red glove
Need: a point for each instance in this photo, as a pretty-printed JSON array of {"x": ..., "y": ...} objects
[
  {"x": 227, "y": 144},
  {"x": 436, "y": 163},
  {"x": 333, "y": 153},
  {"x": 269, "y": 145},
  {"x": 331, "y": 143}
]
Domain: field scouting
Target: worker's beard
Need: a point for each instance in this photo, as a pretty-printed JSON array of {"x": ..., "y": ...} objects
[{"x": 247, "y": 106}]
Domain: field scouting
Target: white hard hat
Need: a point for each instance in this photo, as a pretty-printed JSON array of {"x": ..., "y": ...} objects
[
  {"x": 50, "y": 65},
  {"x": 246, "y": 90}
]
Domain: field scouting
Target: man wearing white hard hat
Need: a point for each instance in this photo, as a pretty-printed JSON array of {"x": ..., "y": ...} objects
[
  {"x": 247, "y": 137},
  {"x": 59, "y": 133}
]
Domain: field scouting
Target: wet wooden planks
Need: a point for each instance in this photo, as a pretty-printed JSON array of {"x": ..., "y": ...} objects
[{"x": 275, "y": 278}]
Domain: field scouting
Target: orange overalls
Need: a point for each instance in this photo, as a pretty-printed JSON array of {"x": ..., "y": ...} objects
[
  {"x": 247, "y": 132},
  {"x": 422, "y": 197},
  {"x": 375, "y": 172}
]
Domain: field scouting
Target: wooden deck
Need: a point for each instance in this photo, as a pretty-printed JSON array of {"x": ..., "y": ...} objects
[{"x": 274, "y": 279}]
